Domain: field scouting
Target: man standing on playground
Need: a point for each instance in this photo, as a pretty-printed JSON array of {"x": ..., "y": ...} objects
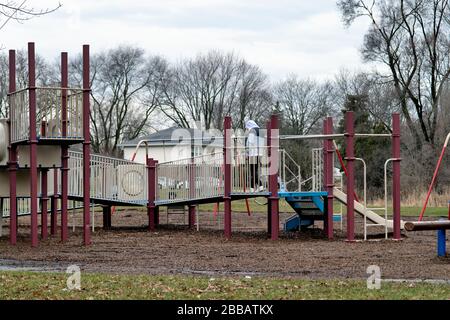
[{"x": 254, "y": 145}]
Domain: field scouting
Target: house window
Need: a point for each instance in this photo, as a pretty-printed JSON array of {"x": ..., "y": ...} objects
[{"x": 198, "y": 151}]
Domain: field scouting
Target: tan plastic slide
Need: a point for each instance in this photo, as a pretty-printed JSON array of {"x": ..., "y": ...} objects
[{"x": 359, "y": 208}]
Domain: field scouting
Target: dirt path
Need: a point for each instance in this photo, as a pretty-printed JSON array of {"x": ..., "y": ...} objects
[{"x": 175, "y": 250}]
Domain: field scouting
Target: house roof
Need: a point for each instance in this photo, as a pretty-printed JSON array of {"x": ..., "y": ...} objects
[{"x": 174, "y": 136}]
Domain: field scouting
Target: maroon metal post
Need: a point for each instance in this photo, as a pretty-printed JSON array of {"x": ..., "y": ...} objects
[
  {"x": 192, "y": 209},
  {"x": 86, "y": 147},
  {"x": 156, "y": 184},
  {"x": 33, "y": 144},
  {"x": 44, "y": 204},
  {"x": 64, "y": 149},
  {"x": 107, "y": 223},
  {"x": 396, "y": 135},
  {"x": 269, "y": 203},
  {"x": 151, "y": 208},
  {"x": 350, "y": 150},
  {"x": 329, "y": 183},
  {"x": 12, "y": 157},
  {"x": 274, "y": 169},
  {"x": 325, "y": 157},
  {"x": 227, "y": 179},
  {"x": 54, "y": 204}
]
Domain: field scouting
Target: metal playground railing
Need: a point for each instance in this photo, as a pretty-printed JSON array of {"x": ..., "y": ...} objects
[
  {"x": 111, "y": 179},
  {"x": 50, "y": 118},
  {"x": 203, "y": 177}
]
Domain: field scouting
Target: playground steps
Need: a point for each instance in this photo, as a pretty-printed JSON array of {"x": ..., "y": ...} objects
[{"x": 309, "y": 207}]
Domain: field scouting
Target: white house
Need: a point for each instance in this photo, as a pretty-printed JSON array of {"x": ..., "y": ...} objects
[{"x": 173, "y": 144}]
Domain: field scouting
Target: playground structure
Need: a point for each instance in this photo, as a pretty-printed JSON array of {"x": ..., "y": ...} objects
[{"x": 43, "y": 169}]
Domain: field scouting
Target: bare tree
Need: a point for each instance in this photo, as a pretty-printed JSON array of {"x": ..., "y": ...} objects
[
  {"x": 380, "y": 98},
  {"x": 207, "y": 88},
  {"x": 45, "y": 75},
  {"x": 303, "y": 103},
  {"x": 20, "y": 12},
  {"x": 411, "y": 37},
  {"x": 125, "y": 87}
]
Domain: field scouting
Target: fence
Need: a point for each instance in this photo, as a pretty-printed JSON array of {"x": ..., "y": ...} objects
[
  {"x": 203, "y": 177},
  {"x": 111, "y": 179},
  {"x": 188, "y": 179},
  {"x": 49, "y": 114}
]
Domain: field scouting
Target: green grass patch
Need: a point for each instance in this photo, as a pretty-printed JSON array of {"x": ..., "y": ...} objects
[
  {"x": 28, "y": 285},
  {"x": 259, "y": 205}
]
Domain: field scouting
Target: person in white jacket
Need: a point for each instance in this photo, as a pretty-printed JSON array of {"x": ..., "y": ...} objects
[{"x": 255, "y": 150}]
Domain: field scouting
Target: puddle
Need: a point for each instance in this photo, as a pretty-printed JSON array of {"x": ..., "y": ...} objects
[{"x": 12, "y": 265}]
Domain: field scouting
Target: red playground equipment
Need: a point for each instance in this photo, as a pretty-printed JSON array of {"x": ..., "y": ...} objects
[{"x": 44, "y": 171}]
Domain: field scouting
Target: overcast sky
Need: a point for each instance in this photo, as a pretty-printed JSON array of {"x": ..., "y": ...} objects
[{"x": 282, "y": 36}]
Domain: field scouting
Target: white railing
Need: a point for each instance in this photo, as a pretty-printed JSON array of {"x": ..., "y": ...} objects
[
  {"x": 249, "y": 174},
  {"x": 111, "y": 179},
  {"x": 24, "y": 206},
  {"x": 203, "y": 177},
  {"x": 290, "y": 173},
  {"x": 317, "y": 170},
  {"x": 189, "y": 179},
  {"x": 49, "y": 117}
]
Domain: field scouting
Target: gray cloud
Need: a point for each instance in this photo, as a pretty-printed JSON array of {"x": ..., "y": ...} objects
[{"x": 283, "y": 36}]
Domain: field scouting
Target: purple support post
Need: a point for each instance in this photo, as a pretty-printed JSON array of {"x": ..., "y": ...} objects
[
  {"x": 151, "y": 208},
  {"x": 396, "y": 133},
  {"x": 227, "y": 178},
  {"x": 269, "y": 203},
  {"x": 12, "y": 157},
  {"x": 192, "y": 209},
  {"x": 274, "y": 169},
  {"x": 33, "y": 144},
  {"x": 64, "y": 149},
  {"x": 325, "y": 158},
  {"x": 155, "y": 184},
  {"x": 44, "y": 204},
  {"x": 329, "y": 183},
  {"x": 86, "y": 147},
  {"x": 107, "y": 217},
  {"x": 350, "y": 149},
  {"x": 54, "y": 204}
]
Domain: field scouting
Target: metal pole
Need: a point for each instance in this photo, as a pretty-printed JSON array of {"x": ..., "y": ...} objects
[
  {"x": 93, "y": 216},
  {"x": 365, "y": 196},
  {"x": 350, "y": 150},
  {"x": 12, "y": 157},
  {"x": 269, "y": 203},
  {"x": 192, "y": 186},
  {"x": 441, "y": 243},
  {"x": 64, "y": 149},
  {"x": 44, "y": 204},
  {"x": 396, "y": 176},
  {"x": 273, "y": 176},
  {"x": 86, "y": 146},
  {"x": 151, "y": 169},
  {"x": 54, "y": 204},
  {"x": 386, "y": 230},
  {"x": 73, "y": 217},
  {"x": 1, "y": 217},
  {"x": 107, "y": 217},
  {"x": 155, "y": 186},
  {"x": 329, "y": 184},
  {"x": 227, "y": 180},
  {"x": 33, "y": 144}
]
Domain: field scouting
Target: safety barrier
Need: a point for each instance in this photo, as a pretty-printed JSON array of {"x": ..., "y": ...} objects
[
  {"x": 111, "y": 179},
  {"x": 51, "y": 122}
]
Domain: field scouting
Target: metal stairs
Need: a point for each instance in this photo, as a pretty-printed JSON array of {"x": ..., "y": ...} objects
[{"x": 309, "y": 207}]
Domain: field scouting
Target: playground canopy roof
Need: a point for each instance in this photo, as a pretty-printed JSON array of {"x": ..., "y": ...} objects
[{"x": 175, "y": 136}]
